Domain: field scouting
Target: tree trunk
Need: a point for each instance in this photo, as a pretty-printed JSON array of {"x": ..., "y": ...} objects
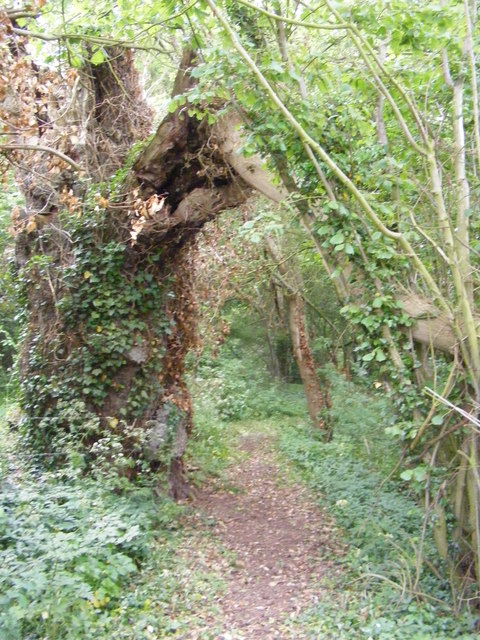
[
  {"x": 304, "y": 359},
  {"x": 106, "y": 269},
  {"x": 291, "y": 286}
]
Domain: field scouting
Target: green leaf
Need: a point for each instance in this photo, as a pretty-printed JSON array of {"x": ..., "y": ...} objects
[
  {"x": 197, "y": 72},
  {"x": 276, "y": 66},
  {"x": 420, "y": 474},
  {"x": 332, "y": 205},
  {"x": 294, "y": 75},
  {"x": 437, "y": 419},
  {"x": 250, "y": 100},
  {"x": 367, "y": 322},
  {"x": 75, "y": 61},
  {"x": 338, "y": 238},
  {"x": 98, "y": 57}
]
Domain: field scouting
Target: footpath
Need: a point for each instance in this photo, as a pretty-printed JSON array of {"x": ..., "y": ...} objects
[{"x": 278, "y": 541}]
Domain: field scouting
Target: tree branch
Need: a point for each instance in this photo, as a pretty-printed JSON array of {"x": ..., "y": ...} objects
[
  {"x": 325, "y": 26},
  {"x": 43, "y": 149}
]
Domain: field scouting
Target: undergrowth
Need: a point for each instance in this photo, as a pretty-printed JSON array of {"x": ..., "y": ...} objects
[
  {"x": 384, "y": 592},
  {"x": 89, "y": 558},
  {"x": 80, "y": 559},
  {"x": 239, "y": 388}
]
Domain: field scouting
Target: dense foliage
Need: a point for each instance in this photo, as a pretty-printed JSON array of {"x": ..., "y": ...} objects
[{"x": 363, "y": 120}]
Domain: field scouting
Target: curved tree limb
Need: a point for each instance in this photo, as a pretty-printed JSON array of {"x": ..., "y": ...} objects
[{"x": 42, "y": 148}]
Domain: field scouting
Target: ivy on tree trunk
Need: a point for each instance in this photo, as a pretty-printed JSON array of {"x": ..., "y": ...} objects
[{"x": 105, "y": 264}]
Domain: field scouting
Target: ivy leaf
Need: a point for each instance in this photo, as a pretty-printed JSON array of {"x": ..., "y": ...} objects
[{"x": 367, "y": 322}]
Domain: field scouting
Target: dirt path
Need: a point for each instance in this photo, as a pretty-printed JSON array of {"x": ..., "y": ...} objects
[{"x": 278, "y": 538}]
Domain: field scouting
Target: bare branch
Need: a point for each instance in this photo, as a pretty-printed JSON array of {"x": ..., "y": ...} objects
[
  {"x": 80, "y": 37},
  {"x": 447, "y": 403},
  {"x": 324, "y": 26},
  {"x": 43, "y": 149},
  {"x": 15, "y": 14}
]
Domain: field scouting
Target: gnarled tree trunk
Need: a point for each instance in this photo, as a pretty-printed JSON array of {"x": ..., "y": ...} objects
[{"x": 106, "y": 266}]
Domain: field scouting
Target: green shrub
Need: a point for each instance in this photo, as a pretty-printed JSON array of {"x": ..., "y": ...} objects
[{"x": 91, "y": 557}]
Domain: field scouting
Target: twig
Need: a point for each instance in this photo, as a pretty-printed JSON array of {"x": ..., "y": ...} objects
[
  {"x": 44, "y": 149},
  {"x": 447, "y": 403}
]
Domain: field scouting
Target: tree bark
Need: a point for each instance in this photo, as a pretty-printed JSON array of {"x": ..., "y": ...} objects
[
  {"x": 304, "y": 359},
  {"x": 107, "y": 271},
  {"x": 298, "y": 334}
]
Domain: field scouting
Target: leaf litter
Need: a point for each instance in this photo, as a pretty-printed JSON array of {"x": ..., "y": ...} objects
[{"x": 274, "y": 548}]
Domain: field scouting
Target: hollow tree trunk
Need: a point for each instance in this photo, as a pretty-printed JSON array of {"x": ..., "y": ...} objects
[{"x": 106, "y": 269}]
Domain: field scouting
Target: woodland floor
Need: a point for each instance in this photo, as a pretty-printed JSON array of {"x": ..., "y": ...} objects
[{"x": 277, "y": 542}]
